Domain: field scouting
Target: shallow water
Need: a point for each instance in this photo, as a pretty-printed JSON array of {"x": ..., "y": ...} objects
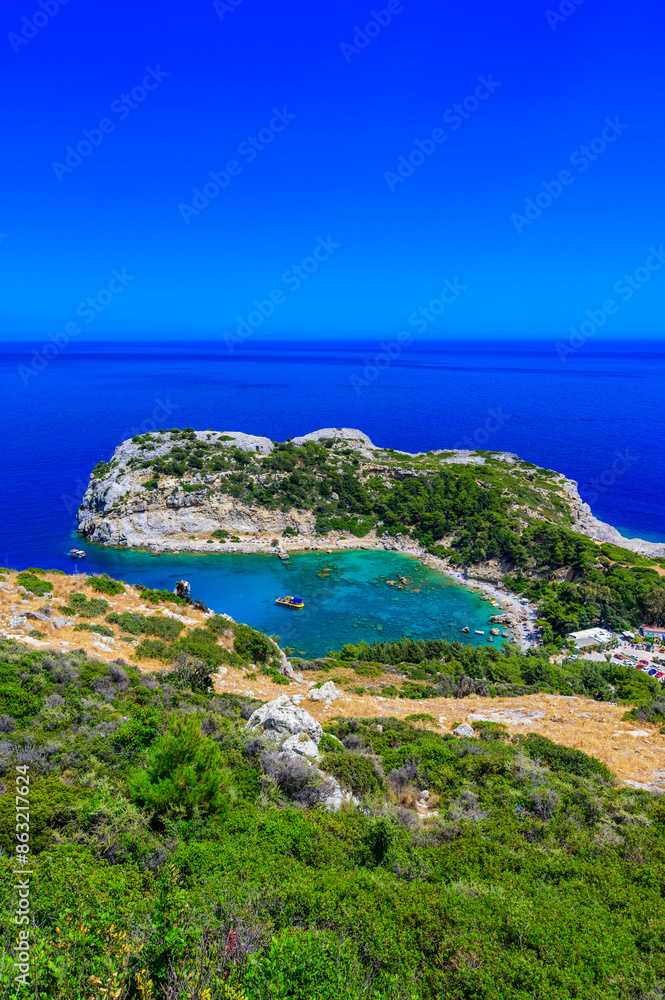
[{"x": 352, "y": 601}]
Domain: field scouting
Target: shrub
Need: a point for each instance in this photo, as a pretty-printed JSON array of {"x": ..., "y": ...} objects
[
  {"x": 33, "y": 583},
  {"x": 191, "y": 673},
  {"x": 564, "y": 760},
  {"x": 129, "y": 621},
  {"x": 51, "y": 805},
  {"x": 78, "y": 603},
  {"x": 252, "y": 645},
  {"x": 650, "y": 711},
  {"x": 354, "y": 771},
  {"x": 184, "y": 774},
  {"x": 379, "y": 839},
  {"x": 95, "y": 629},
  {"x": 154, "y": 649},
  {"x": 17, "y": 702},
  {"x": 156, "y": 596},
  {"x": 103, "y": 584}
]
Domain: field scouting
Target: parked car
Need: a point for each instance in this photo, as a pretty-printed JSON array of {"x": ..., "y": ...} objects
[
  {"x": 652, "y": 672},
  {"x": 645, "y": 663},
  {"x": 659, "y": 676}
]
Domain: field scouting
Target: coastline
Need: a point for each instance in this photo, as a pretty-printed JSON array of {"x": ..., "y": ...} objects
[{"x": 525, "y": 614}]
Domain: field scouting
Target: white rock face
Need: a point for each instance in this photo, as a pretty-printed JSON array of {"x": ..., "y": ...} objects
[
  {"x": 305, "y": 748},
  {"x": 326, "y": 693},
  {"x": 464, "y": 730},
  {"x": 282, "y": 718}
]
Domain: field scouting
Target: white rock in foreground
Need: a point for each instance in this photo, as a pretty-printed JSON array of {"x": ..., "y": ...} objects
[
  {"x": 328, "y": 692},
  {"x": 282, "y": 718},
  {"x": 464, "y": 730}
]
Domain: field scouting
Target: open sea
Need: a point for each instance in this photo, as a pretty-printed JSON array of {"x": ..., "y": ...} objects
[{"x": 596, "y": 416}]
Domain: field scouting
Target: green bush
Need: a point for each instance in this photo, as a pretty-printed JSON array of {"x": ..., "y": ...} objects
[
  {"x": 33, "y": 583},
  {"x": 78, "y": 603},
  {"x": 154, "y": 649},
  {"x": 51, "y": 807},
  {"x": 16, "y": 701},
  {"x": 250, "y": 644},
  {"x": 355, "y": 771},
  {"x": 103, "y": 584},
  {"x": 96, "y": 629},
  {"x": 564, "y": 760},
  {"x": 184, "y": 773},
  {"x": 379, "y": 839}
]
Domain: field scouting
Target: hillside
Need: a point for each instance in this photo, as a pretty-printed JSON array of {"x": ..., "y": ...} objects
[{"x": 207, "y": 820}]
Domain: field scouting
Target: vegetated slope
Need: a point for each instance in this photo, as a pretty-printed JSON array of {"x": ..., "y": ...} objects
[
  {"x": 106, "y": 618},
  {"x": 489, "y": 513},
  {"x": 171, "y": 859}
]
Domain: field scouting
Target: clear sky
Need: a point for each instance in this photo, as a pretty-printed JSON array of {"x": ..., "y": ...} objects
[{"x": 348, "y": 185}]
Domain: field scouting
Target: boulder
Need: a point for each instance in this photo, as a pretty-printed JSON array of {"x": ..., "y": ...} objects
[
  {"x": 326, "y": 693},
  {"x": 282, "y": 718},
  {"x": 39, "y": 616},
  {"x": 304, "y": 747},
  {"x": 62, "y": 622},
  {"x": 464, "y": 730}
]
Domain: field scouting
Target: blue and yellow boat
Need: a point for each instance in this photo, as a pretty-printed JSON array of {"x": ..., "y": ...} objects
[{"x": 291, "y": 602}]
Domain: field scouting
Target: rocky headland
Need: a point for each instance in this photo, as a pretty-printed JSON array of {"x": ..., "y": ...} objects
[{"x": 172, "y": 491}]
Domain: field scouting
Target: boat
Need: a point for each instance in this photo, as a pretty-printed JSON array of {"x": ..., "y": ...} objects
[
  {"x": 291, "y": 602},
  {"x": 479, "y": 632},
  {"x": 77, "y": 553}
]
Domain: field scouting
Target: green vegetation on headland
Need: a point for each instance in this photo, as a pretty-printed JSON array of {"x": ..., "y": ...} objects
[
  {"x": 174, "y": 855},
  {"x": 513, "y": 513}
]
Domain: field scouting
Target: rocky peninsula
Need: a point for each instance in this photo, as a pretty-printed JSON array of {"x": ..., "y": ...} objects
[{"x": 189, "y": 491}]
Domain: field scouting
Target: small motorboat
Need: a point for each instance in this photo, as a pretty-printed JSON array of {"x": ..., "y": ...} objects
[
  {"x": 77, "y": 553},
  {"x": 479, "y": 632},
  {"x": 291, "y": 602}
]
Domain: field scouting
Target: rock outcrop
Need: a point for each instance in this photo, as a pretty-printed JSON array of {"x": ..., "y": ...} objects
[
  {"x": 292, "y": 738},
  {"x": 281, "y": 719}
]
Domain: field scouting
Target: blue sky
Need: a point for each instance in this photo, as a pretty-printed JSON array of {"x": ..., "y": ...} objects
[{"x": 170, "y": 93}]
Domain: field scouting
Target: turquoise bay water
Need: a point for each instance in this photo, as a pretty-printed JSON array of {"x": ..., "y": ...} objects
[{"x": 352, "y": 602}]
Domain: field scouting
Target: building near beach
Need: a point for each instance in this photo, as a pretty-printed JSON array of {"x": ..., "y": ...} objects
[
  {"x": 590, "y": 637},
  {"x": 653, "y": 632}
]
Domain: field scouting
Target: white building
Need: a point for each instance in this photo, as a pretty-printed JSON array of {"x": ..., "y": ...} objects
[{"x": 590, "y": 637}]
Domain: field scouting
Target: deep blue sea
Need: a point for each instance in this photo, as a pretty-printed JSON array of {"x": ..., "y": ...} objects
[{"x": 596, "y": 416}]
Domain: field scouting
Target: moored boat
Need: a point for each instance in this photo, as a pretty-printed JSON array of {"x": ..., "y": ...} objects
[
  {"x": 77, "y": 553},
  {"x": 291, "y": 602}
]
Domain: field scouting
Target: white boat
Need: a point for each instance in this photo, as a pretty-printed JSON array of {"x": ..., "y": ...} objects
[{"x": 478, "y": 632}]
